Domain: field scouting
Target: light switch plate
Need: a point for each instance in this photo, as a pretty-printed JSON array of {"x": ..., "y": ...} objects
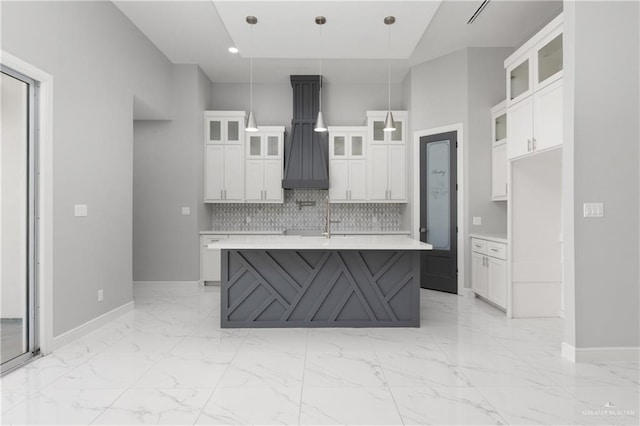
[
  {"x": 593, "y": 209},
  {"x": 186, "y": 211},
  {"x": 477, "y": 220},
  {"x": 80, "y": 210}
]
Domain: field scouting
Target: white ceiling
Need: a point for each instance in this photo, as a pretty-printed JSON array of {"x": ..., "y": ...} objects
[{"x": 354, "y": 39}]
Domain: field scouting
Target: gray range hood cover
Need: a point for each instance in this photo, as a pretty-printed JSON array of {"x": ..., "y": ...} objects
[{"x": 306, "y": 152}]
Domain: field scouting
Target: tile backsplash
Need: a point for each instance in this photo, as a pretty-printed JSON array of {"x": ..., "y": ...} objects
[{"x": 289, "y": 215}]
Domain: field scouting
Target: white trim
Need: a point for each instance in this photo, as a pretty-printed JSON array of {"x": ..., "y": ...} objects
[
  {"x": 624, "y": 354},
  {"x": 45, "y": 201},
  {"x": 197, "y": 282},
  {"x": 81, "y": 330},
  {"x": 467, "y": 292},
  {"x": 415, "y": 212}
]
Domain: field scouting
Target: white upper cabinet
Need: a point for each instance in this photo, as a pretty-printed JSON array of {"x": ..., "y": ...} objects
[
  {"x": 536, "y": 64},
  {"x": 375, "y": 125},
  {"x": 387, "y": 174},
  {"x": 224, "y": 156},
  {"x": 535, "y": 92},
  {"x": 347, "y": 164},
  {"x": 499, "y": 163},
  {"x": 224, "y": 127},
  {"x": 264, "y": 165}
]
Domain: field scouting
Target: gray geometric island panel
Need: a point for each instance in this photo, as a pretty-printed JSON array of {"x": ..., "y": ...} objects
[{"x": 320, "y": 288}]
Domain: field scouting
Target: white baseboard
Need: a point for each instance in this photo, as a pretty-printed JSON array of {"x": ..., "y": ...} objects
[
  {"x": 466, "y": 292},
  {"x": 168, "y": 282},
  {"x": 81, "y": 330},
  {"x": 624, "y": 354}
]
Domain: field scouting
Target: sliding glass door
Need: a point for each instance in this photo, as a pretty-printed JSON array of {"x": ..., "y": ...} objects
[{"x": 17, "y": 219}]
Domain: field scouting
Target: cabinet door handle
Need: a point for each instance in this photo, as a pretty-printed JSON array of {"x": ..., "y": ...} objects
[
  {"x": 222, "y": 194},
  {"x": 389, "y": 194},
  {"x": 225, "y": 194},
  {"x": 346, "y": 194},
  {"x": 506, "y": 188},
  {"x": 496, "y": 250},
  {"x": 528, "y": 145},
  {"x": 534, "y": 144}
]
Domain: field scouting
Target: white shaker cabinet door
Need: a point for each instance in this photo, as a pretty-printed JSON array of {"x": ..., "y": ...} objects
[
  {"x": 397, "y": 173},
  {"x": 479, "y": 274},
  {"x": 254, "y": 175},
  {"x": 497, "y": 281},
  {"x": 548, "y": 116},
  {"x": 378, "y": 159},
  {"x": 273, "y": 180},
  {"x": 499, "y": 167},
  {"x": 233, "y": 175},
  {"x": 338, "y": 180},
  {"x": 357, "y": 180},
  {"x": 214, "y": 172},
  {"x": 520, "y": 124}
]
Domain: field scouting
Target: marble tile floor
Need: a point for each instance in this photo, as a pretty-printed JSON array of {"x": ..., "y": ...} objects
[{"x": 168, "y": 362}]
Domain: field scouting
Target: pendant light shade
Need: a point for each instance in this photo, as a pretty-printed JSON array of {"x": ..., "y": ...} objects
[
  {"x": 251, "y": 121},
  {"x": 320, "y": 125},
  {"x": 389, "y": 124}
]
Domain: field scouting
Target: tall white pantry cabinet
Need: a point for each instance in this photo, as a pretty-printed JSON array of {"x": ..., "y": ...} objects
[{"x": 224, "y": 156}]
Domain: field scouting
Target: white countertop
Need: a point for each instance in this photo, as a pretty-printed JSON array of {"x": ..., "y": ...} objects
[
  {"x": 280, "y": 233},
  {"x": 498, "y": 238},
  {"x": 296, "y": 242}
]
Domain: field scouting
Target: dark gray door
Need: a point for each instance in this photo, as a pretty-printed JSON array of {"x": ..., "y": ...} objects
[{"x": 438, "y": 211}]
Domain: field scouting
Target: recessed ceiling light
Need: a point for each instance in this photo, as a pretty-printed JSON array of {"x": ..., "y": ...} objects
[{"x": 233, "y": 49}]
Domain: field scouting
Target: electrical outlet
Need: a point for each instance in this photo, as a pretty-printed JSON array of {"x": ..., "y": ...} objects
[
  {"x": 186, "y": 211},
  {"x": 100, "y": 295},
  {"x": 477, "y": 220},
  {"x": 593, "y": 209},
  {"x": 80, "y": 210}
]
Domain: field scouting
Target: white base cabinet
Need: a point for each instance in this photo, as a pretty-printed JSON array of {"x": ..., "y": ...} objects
[
  {"x": 489, "y": 270},
  {"x": 210, "y": 259}
]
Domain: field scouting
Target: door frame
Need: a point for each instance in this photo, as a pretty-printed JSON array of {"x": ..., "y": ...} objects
[
  {"x": 44, "y": 124},
  {"x": 461, "y": 195}
]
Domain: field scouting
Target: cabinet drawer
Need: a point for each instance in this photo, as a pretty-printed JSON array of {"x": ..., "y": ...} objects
[
  {"x": 478, "y": 246},
  {"x": 206, "y": 239},
  {"x": 497, "y": 250}
]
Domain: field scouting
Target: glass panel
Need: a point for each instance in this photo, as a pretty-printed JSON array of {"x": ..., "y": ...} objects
[
  {"x": 338, "y": 145},
  {"x": 233, "y": 132},
  {"x": 501, "y": 127},
  {"x": 254, "y": 145},
  {"x": 356, "y": 145},
  {"x": 272, "y": 145},
  {"x": 15, "y": 214},
  {"x": 215, "y": 130},
  {"x": 378, "y": 133},
  {"x": 520, "y": 79},
  {"x": 397, "y": 134},
  {"x": 550, "y": 59},
  {"x": 438, "y": 203}
]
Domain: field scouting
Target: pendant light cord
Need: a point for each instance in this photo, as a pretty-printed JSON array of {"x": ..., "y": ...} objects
[
  {"x": 389, "y": 66},
  {"x": 251, "y": 70},
  {"x": 320, "y": 97}
]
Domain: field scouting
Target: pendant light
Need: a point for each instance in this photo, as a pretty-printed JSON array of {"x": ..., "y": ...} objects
[
  {"x": 320, "y": 125},
  {"x": 389, "y": 124},
  {"x": 251, "y": 121}
]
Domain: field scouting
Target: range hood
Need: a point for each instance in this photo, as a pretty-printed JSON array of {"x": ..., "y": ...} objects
[{"x": 306, "y": 152}]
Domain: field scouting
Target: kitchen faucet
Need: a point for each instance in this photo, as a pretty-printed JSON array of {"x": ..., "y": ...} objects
[{"x": 327, "y": 225}]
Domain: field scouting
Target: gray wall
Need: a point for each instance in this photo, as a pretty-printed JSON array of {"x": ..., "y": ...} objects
[
  {"x": 342, "y": 104},
  {"x": 168, "y": 175},
  {"x": 603, "y": 40},
  {"x": 99, "y": 62},
  {"x": 461, "y": 88}
]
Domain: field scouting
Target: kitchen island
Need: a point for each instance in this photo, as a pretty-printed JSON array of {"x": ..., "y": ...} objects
[{"x": 299, "y": 281}]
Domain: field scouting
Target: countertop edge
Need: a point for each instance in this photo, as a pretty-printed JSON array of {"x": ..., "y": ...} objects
[{"x": 498, "y": 238}]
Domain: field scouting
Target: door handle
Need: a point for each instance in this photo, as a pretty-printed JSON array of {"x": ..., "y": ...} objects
[{"x": 423, "y": 230}]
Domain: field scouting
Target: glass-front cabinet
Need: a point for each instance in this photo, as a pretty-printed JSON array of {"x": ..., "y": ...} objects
[
  {"x": 267, "y": 142},
  {"x": 536, "y": 64},
  {"x": 224, "y": 127},
  {"x": 375, "y": 123},
  {"x": 347, "y": 167}
]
